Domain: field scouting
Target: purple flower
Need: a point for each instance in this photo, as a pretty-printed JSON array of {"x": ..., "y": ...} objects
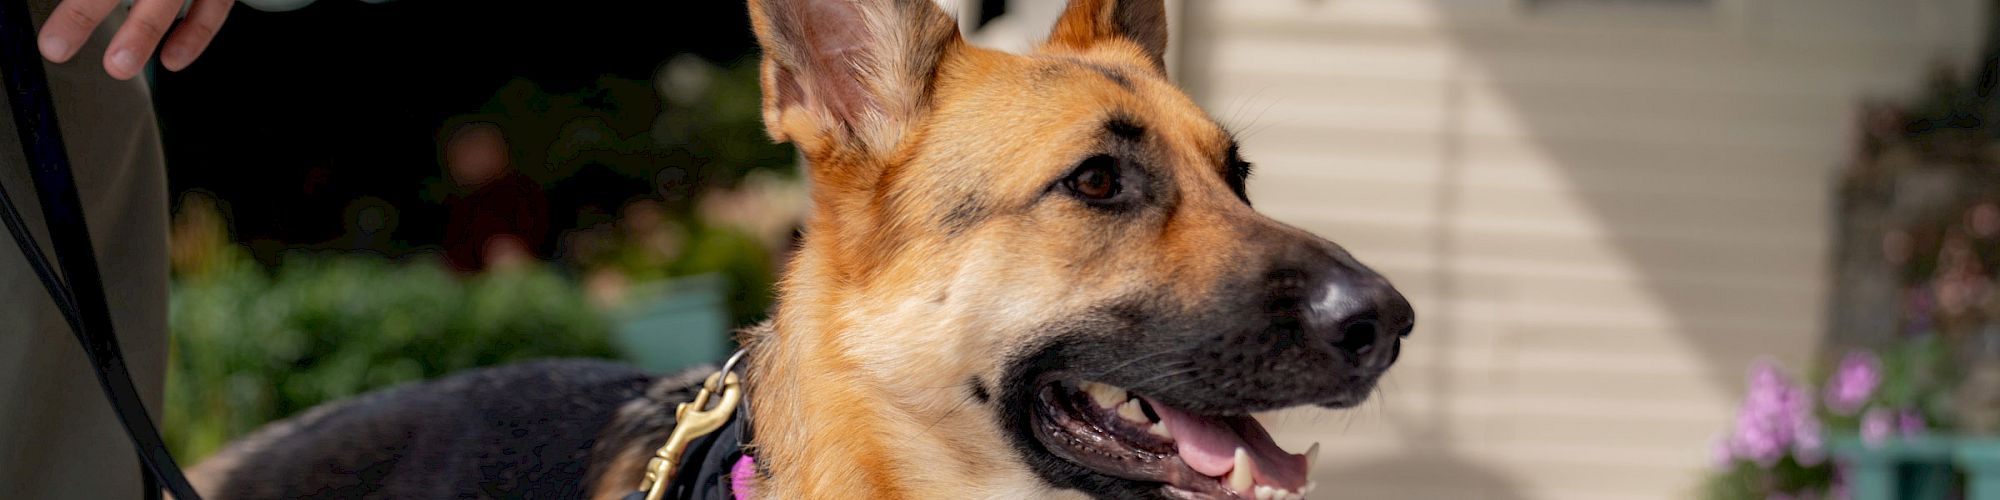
[
  {"x": 1776, "y": 420},
  {"x": 1808, "y": 447},
  {"x": 1853, "y": 382},
  {"x": 1911, "y": 423},
  {"x": 1918, "y": 307},
  {"x": 1838, "y": 490},
  {"x": 1876, "y": 425}
]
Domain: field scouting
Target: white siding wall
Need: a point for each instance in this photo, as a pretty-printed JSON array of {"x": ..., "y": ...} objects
[{"x": 1601, "y": 212}]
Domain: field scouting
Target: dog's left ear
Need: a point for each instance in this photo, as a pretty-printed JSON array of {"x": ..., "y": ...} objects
[{"x": 1087, "y": 23}]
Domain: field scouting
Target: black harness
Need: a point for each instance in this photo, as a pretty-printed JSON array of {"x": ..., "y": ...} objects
[{"x": 80, "y": 297}]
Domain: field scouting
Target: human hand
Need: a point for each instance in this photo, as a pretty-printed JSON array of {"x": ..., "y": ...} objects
[{"x": 70, "y": 25}]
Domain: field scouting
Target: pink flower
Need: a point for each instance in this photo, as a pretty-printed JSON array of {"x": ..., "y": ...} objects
[
  {"x": 1853, "y": 382},
  {"x": 1807, "y": 445},
  {"x": 1876, "y": 426},
  {"x": 1776, "y": 420},
  {"x": 1911, "y": 423},
  {"x": 1918, "y": 307}
]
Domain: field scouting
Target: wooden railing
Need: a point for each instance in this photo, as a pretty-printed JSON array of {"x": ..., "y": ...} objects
[{"x": 1921, "y": 468}]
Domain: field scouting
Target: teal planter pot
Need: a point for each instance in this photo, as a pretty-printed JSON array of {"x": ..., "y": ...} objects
[
  {"x": 671, "y": 325},
  {"x": 1921, "y": 468}
]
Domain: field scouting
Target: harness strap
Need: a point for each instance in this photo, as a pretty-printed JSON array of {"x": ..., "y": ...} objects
[{"x": 82, "y": 300}]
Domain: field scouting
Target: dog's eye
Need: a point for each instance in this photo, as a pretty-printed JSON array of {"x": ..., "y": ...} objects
[{"x": 1096, "y": 179}]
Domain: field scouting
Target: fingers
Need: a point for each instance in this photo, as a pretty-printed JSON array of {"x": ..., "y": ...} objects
[
  {"x": 70, "y": 25},
  {"x": 191, "y": 37},
  {"x": 135, "y": 41},
  {"x": 149, "y": 20}
]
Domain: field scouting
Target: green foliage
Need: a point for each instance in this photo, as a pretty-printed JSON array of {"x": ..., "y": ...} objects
[
  {"x": 742, "y": 261},
  {"x": 250, "y": 348},
  {"x": 1918, "y": 373},
  {"x": 695, "y": 126},
  {"x": 1744, "y": 480}
]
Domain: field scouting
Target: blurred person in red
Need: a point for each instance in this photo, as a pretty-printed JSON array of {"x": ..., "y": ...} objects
[{"x": 496, "y": 210}]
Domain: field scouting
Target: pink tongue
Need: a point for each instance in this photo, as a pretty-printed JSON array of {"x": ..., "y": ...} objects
[{"x": 1208, "y": 445}]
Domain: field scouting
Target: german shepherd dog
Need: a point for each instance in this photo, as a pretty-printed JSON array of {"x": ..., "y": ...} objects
[{"x": 1023, "y": 276}]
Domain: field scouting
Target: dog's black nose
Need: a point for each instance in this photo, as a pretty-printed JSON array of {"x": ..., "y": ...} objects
[
  {"x": 1361, "y": 315},
  {"x": 1329, "y": 299}
]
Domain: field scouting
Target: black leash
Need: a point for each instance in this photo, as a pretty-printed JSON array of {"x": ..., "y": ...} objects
[{"x": 81, "y": 297}]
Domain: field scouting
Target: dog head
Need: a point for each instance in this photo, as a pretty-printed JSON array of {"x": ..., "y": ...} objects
[{"x": 1050, "y": 255}]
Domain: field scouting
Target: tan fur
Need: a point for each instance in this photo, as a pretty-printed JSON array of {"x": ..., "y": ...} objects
[
  {"x": 621, "y": 476},
  {"x": 860, "y": 391}
]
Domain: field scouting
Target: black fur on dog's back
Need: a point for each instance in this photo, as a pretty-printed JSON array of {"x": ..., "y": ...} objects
[{"x": 529, "y": 430}]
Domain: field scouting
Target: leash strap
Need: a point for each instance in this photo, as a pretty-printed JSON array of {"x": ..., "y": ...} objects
[{"x": 82, "y": 301}]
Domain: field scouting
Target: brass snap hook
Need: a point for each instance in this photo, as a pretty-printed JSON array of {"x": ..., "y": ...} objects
[{"x": 692, "y": 420}]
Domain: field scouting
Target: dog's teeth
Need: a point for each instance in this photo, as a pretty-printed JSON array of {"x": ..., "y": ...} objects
[
  {"x": 1105, "y": 396},
  {"x": 1161, "y": 430},
  {"x": 1267, "y": 492},
  {"x": 1240, "y": 479},
  {"x": 1130, "y": 411},
  {"x": 1312, "y": 456},
  {"x": 1308, "y": 489}
]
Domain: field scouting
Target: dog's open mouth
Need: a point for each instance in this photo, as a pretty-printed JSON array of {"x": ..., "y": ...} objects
[{"x": 1128, "y": 436}]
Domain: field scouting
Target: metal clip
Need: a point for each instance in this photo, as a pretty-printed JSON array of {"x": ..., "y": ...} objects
[{"x": 692, "y": 420}]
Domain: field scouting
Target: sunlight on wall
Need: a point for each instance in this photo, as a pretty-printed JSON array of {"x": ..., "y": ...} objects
[{"x": 1602, "y": 214}]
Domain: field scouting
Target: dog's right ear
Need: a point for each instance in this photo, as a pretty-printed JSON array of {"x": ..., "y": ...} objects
[
  {"x": 1143, "y": 23},
  {"x": 850, "y": 71}
]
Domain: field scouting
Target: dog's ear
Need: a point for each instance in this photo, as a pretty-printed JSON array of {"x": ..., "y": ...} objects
[
  {"x": 1087, "y": 23},
  {"x": 848, "y": 69}
]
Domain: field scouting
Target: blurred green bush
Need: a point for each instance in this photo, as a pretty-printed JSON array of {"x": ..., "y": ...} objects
[
  {"x": 250, "y": 347},
  {"x": 256, "y": 340}
]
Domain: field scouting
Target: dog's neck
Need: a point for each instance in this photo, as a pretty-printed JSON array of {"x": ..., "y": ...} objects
[
  {"x": 820, "y": 424},
  {"x": 832, "y": 422}
]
